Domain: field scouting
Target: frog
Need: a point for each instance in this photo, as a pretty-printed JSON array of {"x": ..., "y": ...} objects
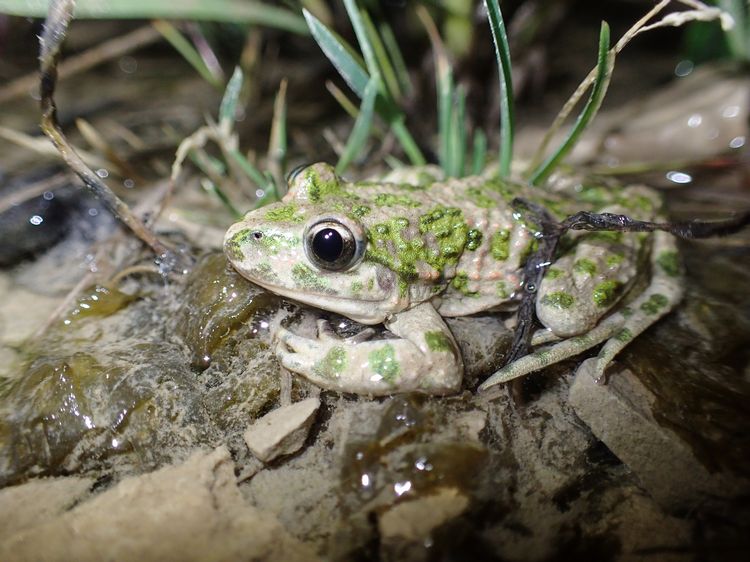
[{"x": 410, "y": 250}]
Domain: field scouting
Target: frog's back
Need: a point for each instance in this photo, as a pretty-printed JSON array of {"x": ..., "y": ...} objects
[{"x": 457, "y": 238}]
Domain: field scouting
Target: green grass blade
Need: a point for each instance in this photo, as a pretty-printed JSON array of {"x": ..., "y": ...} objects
[
  {"x": 458, "y": 135},
  {"x": 355, "y": 16},
  {"x": 479, "y": 152},
  {"x": 399, "y": 65},
  {"x": 445, "y": 94},
  {"x": 186, "y": 49},
  {"x": 738, "y": 38},
  {"x": 345, "y": 103},
  {"x": 604, "y": 66},
  {"x": 444, "y": 90},
  {"x": 230, "y": 11},
  {"x": 351, "y": 70},
  {"x": 502, "y": 54},
  {"x": 340, "y": 56},
  {"x": 361, "y": 129},
  {"x": 214, "y": 190},
  {"x": 228, "y": 107},
  {"x": 251, "y": 171},
  {"x": 407, "y": 142},
  {"x": 381, "y": 57}
]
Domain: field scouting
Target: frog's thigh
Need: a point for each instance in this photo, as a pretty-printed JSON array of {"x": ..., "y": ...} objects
[
  {"x": 580, "y": 288},
  {"x": 619, "y": 328},
  {"x": 661, "y": 296}
]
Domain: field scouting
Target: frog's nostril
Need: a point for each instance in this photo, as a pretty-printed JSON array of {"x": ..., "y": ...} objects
[{"x": 257, "y": 235}]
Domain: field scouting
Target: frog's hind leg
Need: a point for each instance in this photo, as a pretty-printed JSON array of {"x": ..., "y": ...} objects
[
  {"x": 617, "y": 329},
  {"x": 555, "y": 353},
  {"x": 661, "y": 296}
]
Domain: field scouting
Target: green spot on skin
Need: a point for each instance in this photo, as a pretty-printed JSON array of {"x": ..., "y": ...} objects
[
  {"x": 606, "y": 292},
  {"x": 360, "y": 211},
  {"x": 614, "y": 260},
  {"x": 553, "y": 273},
  {"x": 501, "y": 289},
  {"x": 384, "y": 363},
  {"x": 333, "y": 364},
  {"x": 264, "y": 272},
  {"x": 307, "y": 279},
  {"x": 558, "y": 299},
  {"x": 321, "y": 182},
  {"x": 530, "y": 248},
  {"x": 585, "y": 266},
  {"x": 397, "y": 245},
  {"x": 624, "y": 335},
  {"x": 669, "y": 262},
  {"x": 626, "y": 312},
  {"x": 477, "y": 196},
  {"x": 392, "y": 199},
  {"x": 500, "y": 245},
  {"x": 370, "y": 284},
  {"x": 275, "y": 243},
  {"x": 501, "y": 188},
  {"x": 284, "y": 213},
  {"x": 356, "y": 286},
  {"x": 461, "y": 283},
  {"x": 474, "y": 239},
  {"x": 654, "y": 304},
  {"x": 438, "y": 341}
]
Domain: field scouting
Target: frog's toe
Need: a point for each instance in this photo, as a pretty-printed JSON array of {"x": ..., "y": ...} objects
[
  {"x": 293, "y": 341},
  {"x": 296, "y": 362},
  {"x": 325, "y": 332},
  {"x": 364, "y": 335}
]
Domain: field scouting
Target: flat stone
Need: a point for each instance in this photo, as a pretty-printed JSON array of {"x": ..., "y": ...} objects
[
  {"x": 620, "y": 414},
  {"x": 414, "y": 520},
  {"x": 193, "y": 511},
  {"x": 39, "y": 500},
  {"x": 282, "y": 431}
]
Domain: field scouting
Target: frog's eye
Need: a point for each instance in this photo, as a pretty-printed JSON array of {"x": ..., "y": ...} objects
[{"x": 332, "y": 245}]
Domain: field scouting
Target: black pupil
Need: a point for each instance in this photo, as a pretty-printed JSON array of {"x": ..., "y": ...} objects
[{"x": 328, "y": 244}]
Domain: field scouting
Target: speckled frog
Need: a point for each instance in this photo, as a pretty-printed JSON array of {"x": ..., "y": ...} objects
[{"x": 409, "y": 254}]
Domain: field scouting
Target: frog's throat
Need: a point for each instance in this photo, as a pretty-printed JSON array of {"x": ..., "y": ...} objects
[{"x": 360, "y": 310}]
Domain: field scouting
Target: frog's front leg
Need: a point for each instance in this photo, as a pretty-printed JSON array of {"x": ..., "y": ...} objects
[{"x": 423, "y": 357}]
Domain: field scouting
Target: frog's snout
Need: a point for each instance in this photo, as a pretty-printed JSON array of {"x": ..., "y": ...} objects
[{"x": 237, "y": 239}]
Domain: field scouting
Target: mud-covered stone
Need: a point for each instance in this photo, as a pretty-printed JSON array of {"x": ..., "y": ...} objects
[{"x": 621, "y": 414}]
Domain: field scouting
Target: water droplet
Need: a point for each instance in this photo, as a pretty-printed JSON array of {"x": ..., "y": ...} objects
[
  {"x": 36, "y": 220},
  {"x": 679, "y": 177},
  {"x": 695, "y": 120},
  {"x": 684, "y": 67},
  {"x": 402, "y": 487}
]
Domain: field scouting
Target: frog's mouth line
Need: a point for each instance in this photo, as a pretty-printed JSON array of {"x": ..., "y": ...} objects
[{"x": 364, "y": 311}]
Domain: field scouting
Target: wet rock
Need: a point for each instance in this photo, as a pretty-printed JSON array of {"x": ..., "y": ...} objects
[
  {"x": 192, "y": 511},
  {"x": 621, "y": 415},
  {"x": 695, "y": 117},
  {"x": 282, "y": 431},
  {"x": 415, "y": 520},
  {"x": 216, "y": 302}
]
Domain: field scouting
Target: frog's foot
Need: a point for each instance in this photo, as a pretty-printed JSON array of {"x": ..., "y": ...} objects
[
  {"x": 619, "y": 328},
  {"x": 423, "y": 357}
]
